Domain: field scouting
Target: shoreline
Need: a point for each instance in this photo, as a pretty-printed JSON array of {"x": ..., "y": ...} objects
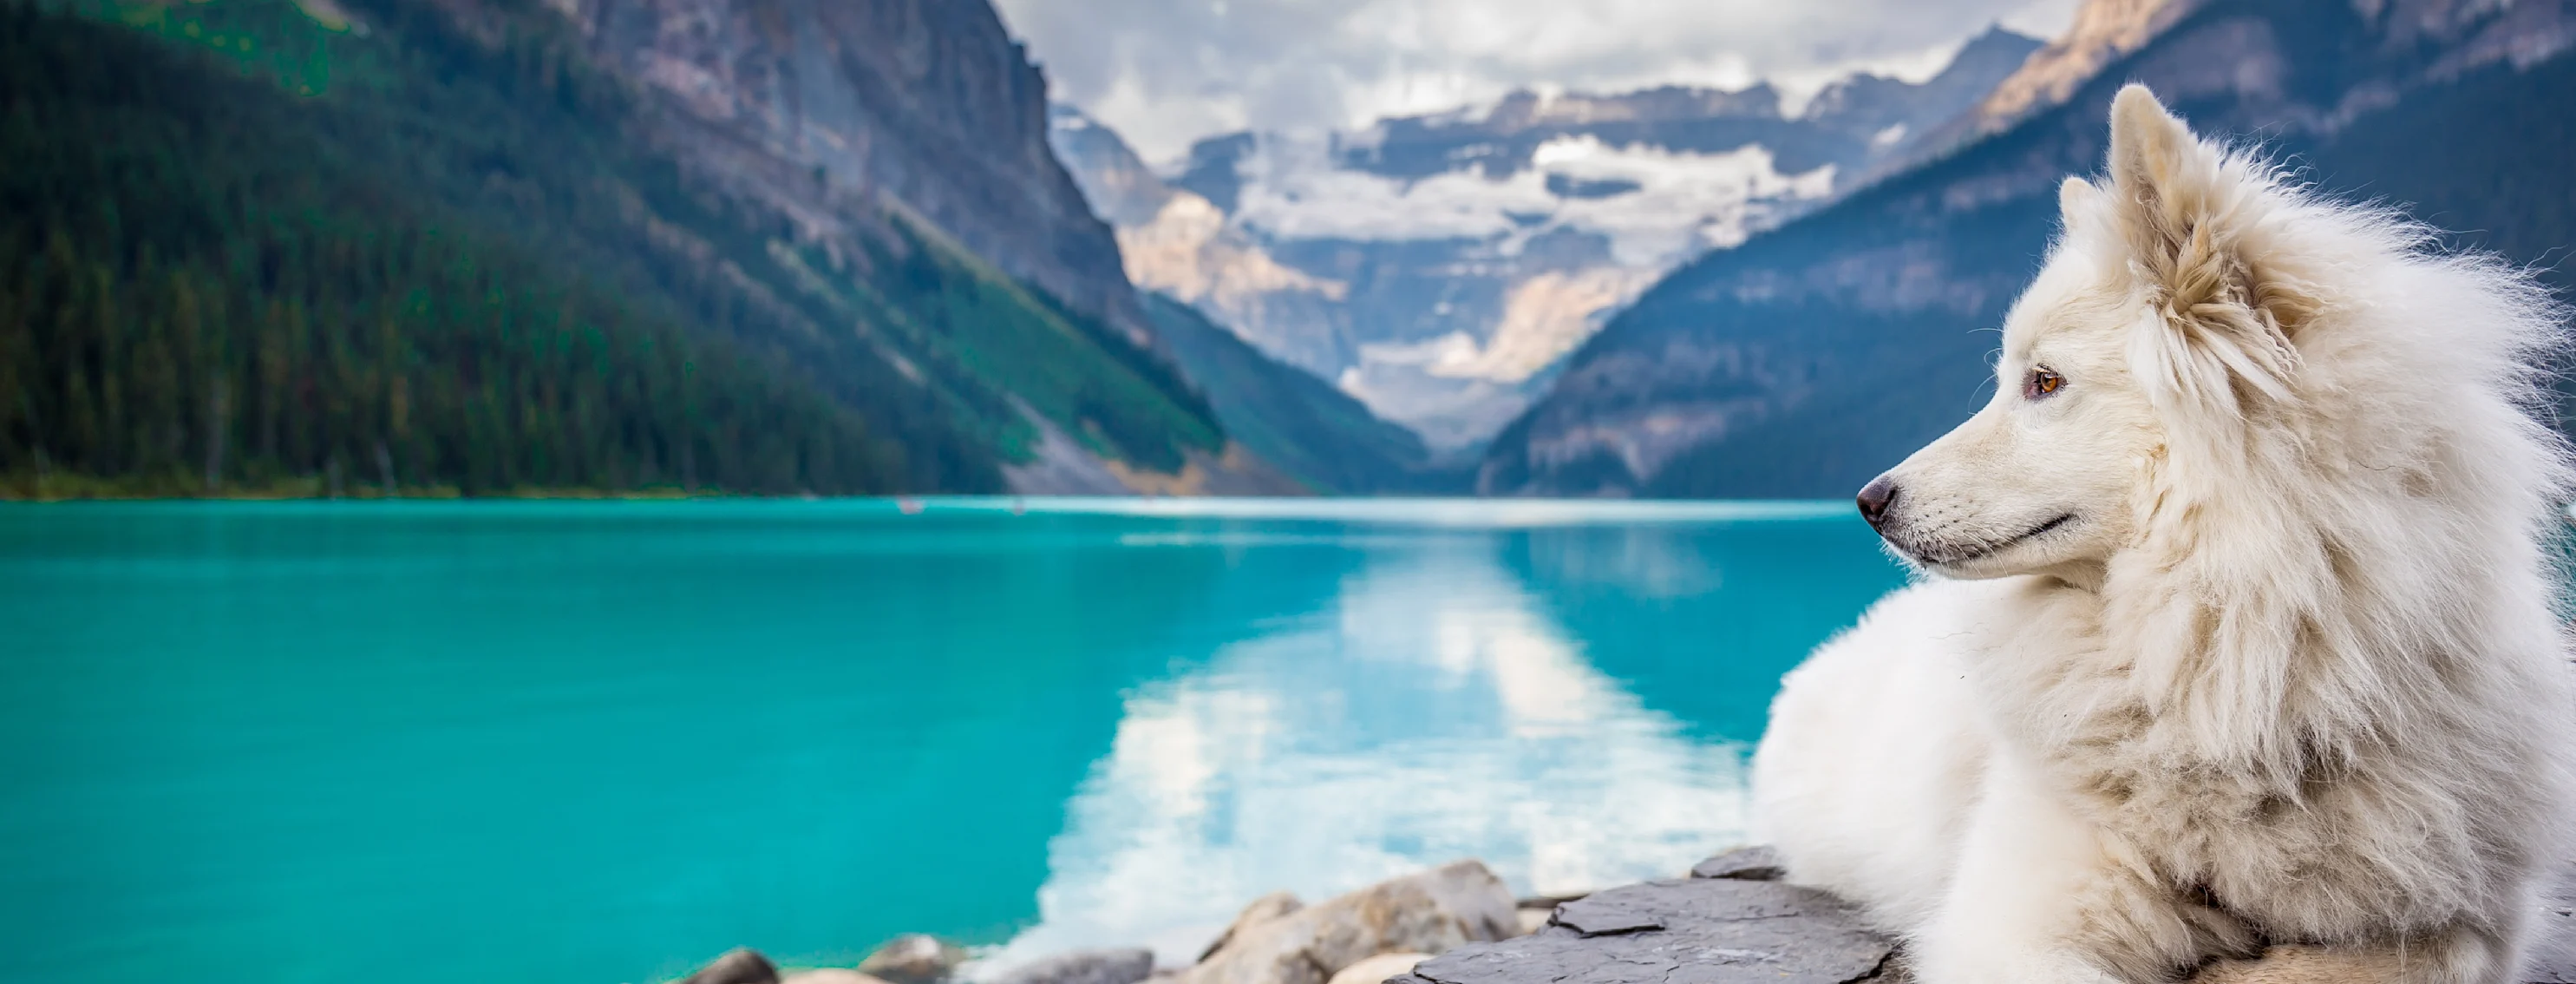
[
  {"x": 1730, "y": 920},
  {"x": 20, "y": 488}
]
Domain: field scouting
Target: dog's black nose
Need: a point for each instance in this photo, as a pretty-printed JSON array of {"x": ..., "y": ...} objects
[{"x": 1875, "y": 497}]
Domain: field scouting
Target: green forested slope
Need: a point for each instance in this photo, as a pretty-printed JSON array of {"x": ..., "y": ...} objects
[
  {"x": 247, "y": 248},
  {"x": 1291, "y": 418}
]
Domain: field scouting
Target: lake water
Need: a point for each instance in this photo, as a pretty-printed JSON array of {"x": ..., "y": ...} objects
[{"x": 599, "y": 742}]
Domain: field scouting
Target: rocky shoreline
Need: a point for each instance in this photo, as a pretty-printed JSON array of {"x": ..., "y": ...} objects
[{"x": 1730, "y": 921}]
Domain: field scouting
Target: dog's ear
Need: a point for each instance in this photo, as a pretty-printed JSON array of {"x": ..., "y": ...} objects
[
  {"x": 2156, "y": 164},
  {"x": 2184, "y": 210}
]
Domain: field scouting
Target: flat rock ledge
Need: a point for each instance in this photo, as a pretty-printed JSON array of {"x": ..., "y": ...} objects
[
  {"x": 1681, "y": 931},
  {"x": 1734, "y": 923}
]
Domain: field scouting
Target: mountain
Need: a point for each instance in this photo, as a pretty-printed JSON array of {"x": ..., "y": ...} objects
[
  {"x": 925, "y": 107},
  {"x": 1816, "y": 354},
  {"x": 1293, "y": 419},
  {"x": 1437, "y": 266},
  {"x": 484, "y": 247}
]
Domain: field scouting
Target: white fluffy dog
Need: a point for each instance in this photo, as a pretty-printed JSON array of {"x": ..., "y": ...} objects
[{"x": 2244, "y": 630}]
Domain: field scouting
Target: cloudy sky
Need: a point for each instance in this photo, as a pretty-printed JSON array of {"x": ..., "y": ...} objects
[{"x": 1166, "y": 72}]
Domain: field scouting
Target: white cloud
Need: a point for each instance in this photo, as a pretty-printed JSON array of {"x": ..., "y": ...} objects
[
  {"x": 1165, "y": 72},
  {"x": 1683, "y": 202}
]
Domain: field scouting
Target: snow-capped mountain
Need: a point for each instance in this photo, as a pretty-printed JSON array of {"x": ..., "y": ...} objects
[
  {"x": 1437, "y": 266},
  {"x": 1819, "y": 353}
]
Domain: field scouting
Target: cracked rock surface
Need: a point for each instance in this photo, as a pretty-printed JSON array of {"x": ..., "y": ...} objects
[
  {"x": 1682, "y": 931},
  {"x": 1732, "y": 923}
]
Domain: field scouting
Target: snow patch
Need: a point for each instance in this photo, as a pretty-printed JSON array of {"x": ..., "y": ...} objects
[{"x": 1685, "y": 201}]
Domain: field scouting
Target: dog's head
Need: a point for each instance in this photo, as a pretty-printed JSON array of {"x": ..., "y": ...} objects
[{"x": 2154, "y": 301}]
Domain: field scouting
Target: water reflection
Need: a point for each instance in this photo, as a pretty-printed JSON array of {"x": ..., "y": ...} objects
[
  {"x": 303, "y": 741},
  {"x": 1433, "y": 709},
  {"x": 1644, "y": 562}
]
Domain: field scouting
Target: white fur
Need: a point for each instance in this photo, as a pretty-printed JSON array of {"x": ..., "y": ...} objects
[{"x": 2253, "y": 643}]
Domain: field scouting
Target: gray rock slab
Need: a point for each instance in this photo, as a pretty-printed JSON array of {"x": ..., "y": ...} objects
[
  {"x": 1683, "y": 931},
  {"x": 1725, "y": 929}
]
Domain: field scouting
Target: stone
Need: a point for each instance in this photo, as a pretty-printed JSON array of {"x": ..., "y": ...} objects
[
  {"x": 913, "y": 958},
  {"x": 1680, "y": 931},
  {"x": 1428, "y": 912},
  {"x": 740, "y": 965},
  {"x": 1262, "y": 910},
  {"x": 1126, "y": 966},
  {"x": 830, "y": 975},
  {"x": 1747, "y": 863},
  {"x": 1376, "y": 970}
]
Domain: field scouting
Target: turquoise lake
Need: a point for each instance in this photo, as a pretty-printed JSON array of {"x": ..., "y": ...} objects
[{"x": 590, "y": 743}]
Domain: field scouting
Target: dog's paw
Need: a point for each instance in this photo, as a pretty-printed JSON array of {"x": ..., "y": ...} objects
[{"x": 2307, "y": 965}]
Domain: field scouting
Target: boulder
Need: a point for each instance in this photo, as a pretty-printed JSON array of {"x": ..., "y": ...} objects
[
  {"x": 1428, "y": 912},
  {"x": 913, "y": 958},
  {"x": 740, "y": 965},
  {"x": 1376, "y": 970},
  {"x": 1747, "y": 863},
  {"x": 735, "y": 967},
  {"x": 1262, "y": 910},
  {"x": 1085, "y": 967}
]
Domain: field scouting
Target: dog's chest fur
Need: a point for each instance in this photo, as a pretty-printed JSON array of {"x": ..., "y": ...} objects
[{"x": 2283, "y": 844}]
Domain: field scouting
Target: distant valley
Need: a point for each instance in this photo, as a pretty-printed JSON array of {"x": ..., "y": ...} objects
[{"x": 1438, "y": 267}]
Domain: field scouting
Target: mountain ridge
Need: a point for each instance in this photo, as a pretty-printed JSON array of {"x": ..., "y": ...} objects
[
  {"x": 1820, "y": 352},
  {"x": 928, "y": 107},
  {"x": 501, "y": 126}
]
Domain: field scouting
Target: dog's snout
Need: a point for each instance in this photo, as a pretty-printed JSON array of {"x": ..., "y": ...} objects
[{"x": 1875, "y": 498}]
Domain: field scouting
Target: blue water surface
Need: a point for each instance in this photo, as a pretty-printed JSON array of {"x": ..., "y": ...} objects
[{"x": 408, "y": 743}]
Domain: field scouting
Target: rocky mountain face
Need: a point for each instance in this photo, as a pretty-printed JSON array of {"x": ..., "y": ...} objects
[
  {"x": 1818, "y": 353},
  {"x": 878, "y": 172},
  {"x": 1437, "y": 267},
  {"x": 2103, "y": 30},
  {"x": 825, "y": 112}
]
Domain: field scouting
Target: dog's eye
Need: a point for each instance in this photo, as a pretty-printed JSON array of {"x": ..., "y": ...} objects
[{"x": 2041, "y": 384}]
